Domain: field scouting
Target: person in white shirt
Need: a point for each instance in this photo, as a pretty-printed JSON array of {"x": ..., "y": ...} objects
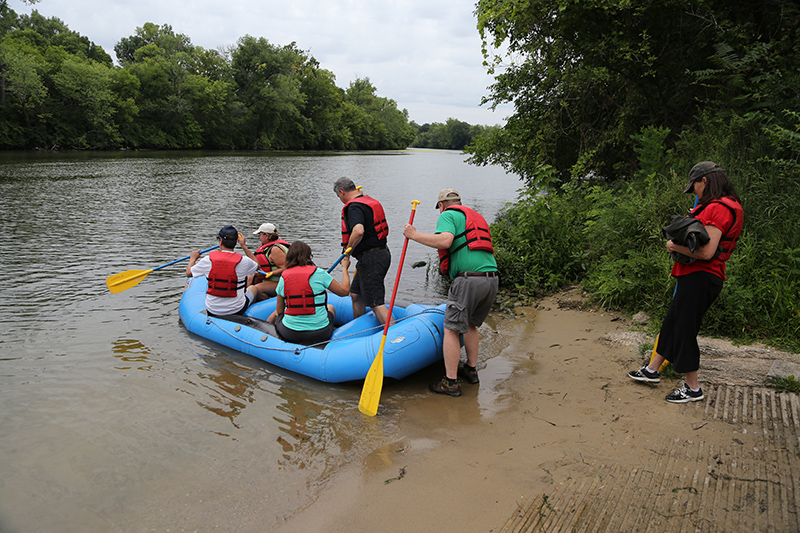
[{"x": 227, "y": 273}]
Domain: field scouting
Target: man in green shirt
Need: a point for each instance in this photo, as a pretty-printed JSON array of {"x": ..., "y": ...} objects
[{"x": 466, "y": 256}]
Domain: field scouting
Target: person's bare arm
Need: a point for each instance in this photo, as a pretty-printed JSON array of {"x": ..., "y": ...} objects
[
  {"x": 193, "y": 257},
  {"x": 343, "y": 288},
  {"x": 439, "y": 241}
]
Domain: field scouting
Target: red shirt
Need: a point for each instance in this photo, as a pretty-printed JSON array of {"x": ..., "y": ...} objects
[{"x": 719, "y": 216}]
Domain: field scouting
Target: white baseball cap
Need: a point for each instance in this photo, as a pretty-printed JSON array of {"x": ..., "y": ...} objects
[{"x": 266, "y": 227}]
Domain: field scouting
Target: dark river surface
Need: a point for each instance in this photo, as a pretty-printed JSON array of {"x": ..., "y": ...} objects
[{"x": 112, "y": 416}]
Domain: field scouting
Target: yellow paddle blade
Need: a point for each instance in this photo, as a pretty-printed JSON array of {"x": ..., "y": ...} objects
[
  {"x": 373, "y": 383},
  {"x": 125, "y": 280}
]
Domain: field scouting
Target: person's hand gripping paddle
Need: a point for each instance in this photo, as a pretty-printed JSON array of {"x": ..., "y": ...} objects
[
  {"x": 373, "y": 383},
  {"x": 339, "y": 260}
]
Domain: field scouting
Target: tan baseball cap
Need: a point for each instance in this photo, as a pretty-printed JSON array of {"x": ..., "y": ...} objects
[{"x": 447, "y": 194}]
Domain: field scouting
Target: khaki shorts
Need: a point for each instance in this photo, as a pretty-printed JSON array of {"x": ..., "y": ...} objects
[{"x": 469, "y": 301}]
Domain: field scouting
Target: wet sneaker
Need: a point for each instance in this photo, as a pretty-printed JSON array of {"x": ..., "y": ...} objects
[
  {"x": 469, "y": 375},
  {"x": 685, "y": 395},
  {"x": 441, "y": 387},
  {"x": 645, "y": 375}
]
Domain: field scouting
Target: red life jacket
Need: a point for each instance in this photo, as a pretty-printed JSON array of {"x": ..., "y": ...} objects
[
  {"x": 378, "y": 218},
  {"x": 262, "y": 256},
  {"x": 731, "y": 236},
  {"x": 299, "y": 298},
  {"x": 477, "y": 234},
  {"x": 222, "y": 280}
]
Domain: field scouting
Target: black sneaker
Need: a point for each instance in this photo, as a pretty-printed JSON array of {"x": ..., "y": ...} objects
[
  {"x": 441, "y": 387},
  {"x": 469, "y": 374},
  {"x": 685, "y": 395},
  {"x": 645, "y": 375}
]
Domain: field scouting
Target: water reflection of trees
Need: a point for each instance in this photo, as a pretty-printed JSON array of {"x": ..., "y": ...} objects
[
  {"x": 229, "y": 386},
  {"x": 132, "y": 351},
  {"x": 318, "y": 425},
  {"x": 323, "y": 429}
]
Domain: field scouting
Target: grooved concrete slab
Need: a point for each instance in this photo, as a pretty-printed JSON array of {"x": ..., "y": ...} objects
[{"x": 681, "y": 483}]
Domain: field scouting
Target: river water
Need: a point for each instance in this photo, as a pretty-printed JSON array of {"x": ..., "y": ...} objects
[{"x": 113, "y": 416}]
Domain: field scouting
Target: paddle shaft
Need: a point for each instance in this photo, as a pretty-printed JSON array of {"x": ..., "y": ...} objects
[
  {"x": 373, "y": 383},
  {"x": 339, "y": 260},
  {"x": 399, "y": 269},
  {"x": 185, "y": 258}
]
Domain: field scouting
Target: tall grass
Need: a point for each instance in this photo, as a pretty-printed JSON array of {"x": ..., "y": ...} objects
[{"x": 608, "y": 236}]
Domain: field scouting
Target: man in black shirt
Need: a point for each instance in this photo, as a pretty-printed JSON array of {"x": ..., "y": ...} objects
[{"x": 364, "y": 229}]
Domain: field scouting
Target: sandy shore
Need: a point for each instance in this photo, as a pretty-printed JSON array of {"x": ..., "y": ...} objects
[{"x": 555, "y": 407}]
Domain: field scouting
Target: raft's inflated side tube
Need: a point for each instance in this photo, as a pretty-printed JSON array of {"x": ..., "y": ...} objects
[{"x": 411, "y": 344}]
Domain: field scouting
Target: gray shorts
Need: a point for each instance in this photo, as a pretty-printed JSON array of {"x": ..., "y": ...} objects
[{"x": 469, "y": 302}]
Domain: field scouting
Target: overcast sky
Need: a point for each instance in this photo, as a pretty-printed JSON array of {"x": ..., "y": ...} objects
[{"x": 424, "y": 54}]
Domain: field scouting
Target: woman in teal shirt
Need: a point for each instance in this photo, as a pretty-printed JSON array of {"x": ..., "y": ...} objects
[{"x": 302, "y": 314}]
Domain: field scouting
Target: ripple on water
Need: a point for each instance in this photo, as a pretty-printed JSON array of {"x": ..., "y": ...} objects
[{"x": 113, "y": 413}]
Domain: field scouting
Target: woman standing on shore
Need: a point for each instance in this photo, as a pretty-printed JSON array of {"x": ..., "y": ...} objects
[{"x": 698, "y": 282}]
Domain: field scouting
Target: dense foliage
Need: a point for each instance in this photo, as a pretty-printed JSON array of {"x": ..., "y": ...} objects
[
  {"x": 614, "y": 103},
  {"x": 60, "y": 90},
  {"x": 586, "y": 75},
  {"x": 453, "y": 135}
]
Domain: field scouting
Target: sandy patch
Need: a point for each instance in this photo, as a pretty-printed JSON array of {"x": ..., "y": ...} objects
[{"x": 554, "y": 405}]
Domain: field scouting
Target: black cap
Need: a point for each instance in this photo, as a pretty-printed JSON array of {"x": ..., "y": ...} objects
[
  {"x": 699, "y": 170},
  {"x": 228, "y": 232}
]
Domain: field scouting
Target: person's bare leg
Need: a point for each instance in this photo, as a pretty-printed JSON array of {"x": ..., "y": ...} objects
[
  {"x": 691, "y": 380},
  {"x": 656, "y": 363},
  {"x": 451, "y": 346},
  {"x": 266, "y": 289},
  {"x": 382, "y": 312},
  {"x": 471, "y": 346},
  {"x": 358, "y": 305}
]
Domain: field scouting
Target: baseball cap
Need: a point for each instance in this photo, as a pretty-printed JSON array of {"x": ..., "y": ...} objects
[
  {"x": 700, "y": 170},
  {"x": 444, "y": 194},
  {"x": 266, "y": 227},
  {"x": 228, "y": 232}
]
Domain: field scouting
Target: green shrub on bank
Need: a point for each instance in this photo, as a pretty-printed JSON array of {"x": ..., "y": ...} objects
[
  {"x": 608, "y": 236},
  {"x": 540, "y": 245}
]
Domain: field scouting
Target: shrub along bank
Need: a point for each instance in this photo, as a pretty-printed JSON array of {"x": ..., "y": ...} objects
[{"x": 607, "y": 235}]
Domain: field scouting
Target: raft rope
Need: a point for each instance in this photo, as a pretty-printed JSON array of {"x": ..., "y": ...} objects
[{"x": 299, "y": 349}]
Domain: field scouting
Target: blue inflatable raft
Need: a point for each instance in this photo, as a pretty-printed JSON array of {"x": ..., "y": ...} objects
[{"x": 412, "y": 343}]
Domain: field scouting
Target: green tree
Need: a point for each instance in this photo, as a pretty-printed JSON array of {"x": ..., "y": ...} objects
[
  {"x": 161, "y": 36},
  {"x": 588, "y": 74},
  {"x": 56, "y": 34},
  {"x": 380, "y": 126},
  {"x": 87, "y": 113},
  {"x": 23, "y": 78},
  {"x": 172, "y": 100},
  {"x": 323, "y": 108},
  {"x": 7, "y": 21},
  {"x": 269, "y": 89}
]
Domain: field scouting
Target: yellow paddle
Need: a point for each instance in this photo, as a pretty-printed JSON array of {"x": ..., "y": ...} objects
[
  {"x": 373, "y": 383},
  {"x": 131, "y": 278},
  {"x": 653, "y": 355}
]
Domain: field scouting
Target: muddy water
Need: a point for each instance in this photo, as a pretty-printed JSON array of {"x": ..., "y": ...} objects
[{"x": 112, "y": 416}]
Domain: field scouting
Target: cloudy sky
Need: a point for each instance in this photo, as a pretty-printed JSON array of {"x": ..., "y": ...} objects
[{"x": 424, "y": 54}]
